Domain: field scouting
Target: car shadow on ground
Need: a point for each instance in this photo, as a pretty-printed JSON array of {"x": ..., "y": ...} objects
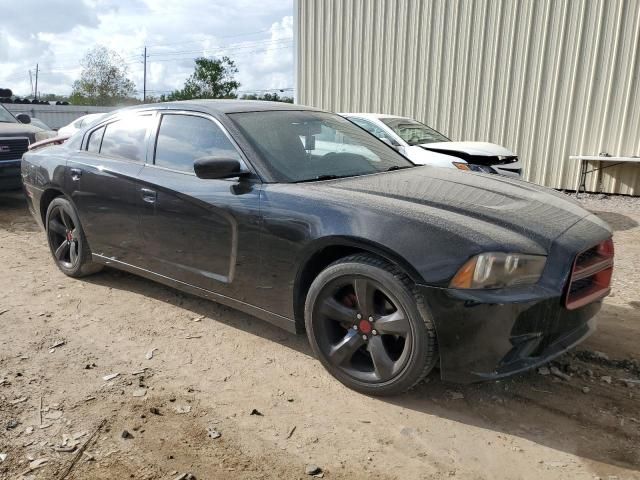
[
  {"x": 542, "y": 409},
  {"x": 616, "y": 221}
]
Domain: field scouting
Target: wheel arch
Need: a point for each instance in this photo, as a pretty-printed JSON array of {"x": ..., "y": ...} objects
[
  {"x": 45, "y": 200},
  {"x": 324, "y": 252}
]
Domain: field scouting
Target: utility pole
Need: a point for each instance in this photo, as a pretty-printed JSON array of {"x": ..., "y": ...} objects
[
  {"x": 35, "y": 92},
  {"x": 144, "y": 82}
]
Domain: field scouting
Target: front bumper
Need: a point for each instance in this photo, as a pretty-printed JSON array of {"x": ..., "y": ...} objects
[
  {"x": 513, "y": 170},
  {"x": 489, "y": 334},
  {"x": 10, "y": 177},
  {"x": 493, "y": 334}
]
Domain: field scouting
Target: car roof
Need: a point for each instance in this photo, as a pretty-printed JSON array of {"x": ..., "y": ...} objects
[
  {"x": 371, "y": 115},
  {"x": 89, "y": 115},
  {"x": 223, "y": 106}
]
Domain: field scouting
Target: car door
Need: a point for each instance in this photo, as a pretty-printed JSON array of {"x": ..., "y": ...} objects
[
  {"x": 202, "y": 232},
  {"x": 102, "y": 179}
]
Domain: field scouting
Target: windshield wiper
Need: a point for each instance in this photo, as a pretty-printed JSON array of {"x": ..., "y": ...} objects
[
  {"x": 333, "y": 176},
  {"x": 322, "y": 177},
  {"x": 398, "y": 167}
]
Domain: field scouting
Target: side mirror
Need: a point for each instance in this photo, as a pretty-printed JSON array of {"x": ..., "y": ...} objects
[
  {"x": 23, "y": 118},
  {"x": 218, "y": 167}
]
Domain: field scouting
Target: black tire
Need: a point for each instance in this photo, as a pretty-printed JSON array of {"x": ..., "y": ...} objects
[
  {"x": 67, "y": 240},
  {"x": 389, "y": 361}
]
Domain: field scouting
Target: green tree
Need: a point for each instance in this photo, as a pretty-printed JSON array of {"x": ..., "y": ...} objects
[
  {"x": 103, "y": 80},
  {"x": 268, "y": 97},
  {"x": 212, "y": 78}
]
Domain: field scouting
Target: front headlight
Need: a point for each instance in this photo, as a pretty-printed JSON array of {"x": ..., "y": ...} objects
[
  {"x": 461, "y": 166},
  {"x": 498, "y": 270},
  {"x": 44, "y": 135}
]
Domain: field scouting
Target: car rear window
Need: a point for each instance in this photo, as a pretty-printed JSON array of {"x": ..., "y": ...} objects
[{"x": 126, "y": 138}]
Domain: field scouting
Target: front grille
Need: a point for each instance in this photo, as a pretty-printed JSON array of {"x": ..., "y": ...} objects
[
  {"x": 581, "y": 285},
  {"x": 587, "y": 256},
  {"x": 13, "y": 148},
  {"x": 506, "y": 160},
  {"x": 591, "y": 275}
]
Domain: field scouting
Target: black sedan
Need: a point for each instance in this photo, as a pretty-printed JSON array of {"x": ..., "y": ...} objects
[{"x": 305, "y": 220}]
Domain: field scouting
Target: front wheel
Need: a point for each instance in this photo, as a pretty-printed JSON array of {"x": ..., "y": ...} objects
[
  {"x": 67, "y": 241},
  {"x": 369, "y": 327}
]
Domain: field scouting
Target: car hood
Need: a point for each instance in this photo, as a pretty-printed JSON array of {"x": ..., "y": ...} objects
[
  {"x": 485, "y": 209},
  {"x": 479, "y": 149},
  {"x": 13, "y": 129}
]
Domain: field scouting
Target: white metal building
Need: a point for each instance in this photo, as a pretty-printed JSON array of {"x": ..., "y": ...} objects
[{"x": 545, "y": 78}]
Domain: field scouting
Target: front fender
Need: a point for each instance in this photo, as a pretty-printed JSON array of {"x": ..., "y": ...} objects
[{"x": 317, "y": 246}]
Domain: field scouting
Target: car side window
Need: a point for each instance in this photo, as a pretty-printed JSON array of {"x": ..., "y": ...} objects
[
  {"x": 182, "y": 139},
  {"x": 126, "y": 138},
  {"x": 95, "y": 139}
]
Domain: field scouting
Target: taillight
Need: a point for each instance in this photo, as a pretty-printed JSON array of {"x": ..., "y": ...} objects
[{"x": 590, "y": 276}]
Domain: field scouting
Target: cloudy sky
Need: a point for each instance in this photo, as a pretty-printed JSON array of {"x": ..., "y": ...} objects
[{"x": 257, "y": 34}]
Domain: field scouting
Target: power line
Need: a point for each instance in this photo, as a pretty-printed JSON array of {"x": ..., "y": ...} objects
[
  {"x": 223, "y": 36},
  {"x": 211, "y": 51},
  {"x": 239, "y": 54},
  {"x": 224, "y": 50},
  {"x": 144, "y": 94},
  {"x": 235, "y": 55},
  {"x": 35, "y": 91},
  {"x": 240, "y": 51},
  {"x": 126, "y": 55}
]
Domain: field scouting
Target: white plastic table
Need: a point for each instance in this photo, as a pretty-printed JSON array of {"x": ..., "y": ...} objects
[{"x": 583, "y": 159}]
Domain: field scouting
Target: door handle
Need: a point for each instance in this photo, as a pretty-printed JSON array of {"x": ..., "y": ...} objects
[
  {"x": 148, "y": 195},
  {"x": 76, "y": 173}
]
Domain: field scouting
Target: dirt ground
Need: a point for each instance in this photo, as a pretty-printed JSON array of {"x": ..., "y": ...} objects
[{"x": 212, "y": 366}]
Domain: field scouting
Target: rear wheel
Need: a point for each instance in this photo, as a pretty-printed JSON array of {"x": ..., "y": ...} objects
[
  {"x": 369, "y": 327},
  {"x": 67, "y": 241}
]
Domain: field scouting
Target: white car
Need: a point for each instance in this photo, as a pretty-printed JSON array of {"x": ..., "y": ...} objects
[
  {"x": 425, "y": 146},
  {"x": 79, "y": 123}
]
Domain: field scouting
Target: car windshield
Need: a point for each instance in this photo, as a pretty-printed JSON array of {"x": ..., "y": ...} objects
[
  {"x": 413, "y": 132},
  {"x": 302, "y": 146},
  {"x": 5, "y": 116}
]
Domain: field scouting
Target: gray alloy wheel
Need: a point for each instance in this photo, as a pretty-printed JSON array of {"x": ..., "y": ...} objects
[
  {"x": 368, "y": 326},
  {"x": 67, "y": 242}
]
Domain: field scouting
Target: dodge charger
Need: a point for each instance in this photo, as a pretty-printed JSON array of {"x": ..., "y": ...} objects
[{"x": 391, "y": 269}]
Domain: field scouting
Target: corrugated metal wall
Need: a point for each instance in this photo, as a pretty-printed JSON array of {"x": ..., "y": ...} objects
[
  {"x": 545, "y": 78},
  {"x": 55, "y": 116}
]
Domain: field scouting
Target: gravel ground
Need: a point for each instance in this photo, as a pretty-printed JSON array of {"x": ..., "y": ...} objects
[
  {"x": 611, "y": 203},
  {"x": 188, "y": 368}
]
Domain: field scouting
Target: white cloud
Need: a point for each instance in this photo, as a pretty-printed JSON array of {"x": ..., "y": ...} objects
[
  {"x": 257, "y": 34},
  {"x": 273, "y": 66}
]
